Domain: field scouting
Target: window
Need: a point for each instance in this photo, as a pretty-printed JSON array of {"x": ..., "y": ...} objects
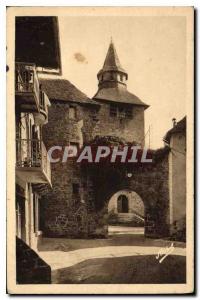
[
  {"x": 122, "y": 112},
  {"x": 113, "y": 111},
  {"x": 72, "y": 112},
  {"x": 75, "y": 188},
  {"x": 94, "y": 115},
  {"x": 129, "y": 113},
  {"x": 122, "y": 204},
  {"x": 111, "y": 76}
]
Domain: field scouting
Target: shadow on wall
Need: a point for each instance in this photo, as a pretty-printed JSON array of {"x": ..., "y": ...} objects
[
  {"x": 30, "y": 268},
  {"x": 179, "y": 230}
]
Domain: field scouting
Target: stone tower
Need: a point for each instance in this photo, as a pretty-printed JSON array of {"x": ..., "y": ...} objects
[{"x": 121, "y": 113}]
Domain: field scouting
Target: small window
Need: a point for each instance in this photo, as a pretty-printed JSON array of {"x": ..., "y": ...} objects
[
  {"x": 129, "y": 113},
  {"x": 72, "y": 112},
  {"x": 113, "y": 111},
  {"x": 75, "y": 188},
  {"x": 122, "y": 113},
  {"x": 94, "y": 115}
]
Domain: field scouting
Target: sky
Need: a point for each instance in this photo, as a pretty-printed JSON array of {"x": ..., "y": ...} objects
[{"x": 151, "y": 49}]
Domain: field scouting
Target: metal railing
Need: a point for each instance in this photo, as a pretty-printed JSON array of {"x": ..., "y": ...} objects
[
  {"x": 32, "y": 153},
  {"x": 26, "y": 79}
]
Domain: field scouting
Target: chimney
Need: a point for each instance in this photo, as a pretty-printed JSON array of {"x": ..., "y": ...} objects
[{"x": 174, "y": 122}]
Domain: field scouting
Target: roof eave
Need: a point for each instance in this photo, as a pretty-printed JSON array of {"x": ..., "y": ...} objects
[
  {"x": 75, "y": 101},
  {"x": 116, "y": 101}
]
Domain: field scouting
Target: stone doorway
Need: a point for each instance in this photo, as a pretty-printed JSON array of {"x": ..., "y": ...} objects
[{"x": 126, "y": 213}]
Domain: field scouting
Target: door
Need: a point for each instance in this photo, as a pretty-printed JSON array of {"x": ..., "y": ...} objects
[{"x": 122, "y": 204}]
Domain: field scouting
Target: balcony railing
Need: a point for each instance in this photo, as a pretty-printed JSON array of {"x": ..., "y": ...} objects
[
  {"x": 26, "y": 81},
  {"x": 31, "y": 154}
]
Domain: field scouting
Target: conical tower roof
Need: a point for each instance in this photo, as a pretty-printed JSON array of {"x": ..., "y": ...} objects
[
  {"x": 112, "y": 62},
  {"x": 112, "y": 81}
]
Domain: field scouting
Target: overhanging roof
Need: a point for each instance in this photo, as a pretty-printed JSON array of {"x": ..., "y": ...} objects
[
  {"x": 37, "y": 41},
  {"x": 120, "y": 95}
]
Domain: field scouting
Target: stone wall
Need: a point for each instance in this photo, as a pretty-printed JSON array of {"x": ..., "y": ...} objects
[
  {"x": 177, "y": 183},
  {"x": 66, "y": 207},
  {"x": 128, "y": 129}
]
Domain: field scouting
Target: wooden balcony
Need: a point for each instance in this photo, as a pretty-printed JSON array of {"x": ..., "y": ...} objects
[
  {"x": 32, "y": 164},
  {"x": 27, "y": 89}
]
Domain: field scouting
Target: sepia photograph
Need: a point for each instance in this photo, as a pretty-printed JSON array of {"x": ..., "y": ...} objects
[{"x": 100, "y": 135}]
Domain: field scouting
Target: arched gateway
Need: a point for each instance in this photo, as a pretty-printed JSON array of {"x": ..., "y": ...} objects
[
  {"x": 126, "y": 213},
  {"x": 113, "y": 185}
]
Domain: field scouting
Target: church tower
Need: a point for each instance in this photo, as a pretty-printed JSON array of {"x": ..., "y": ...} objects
[{"x": 121, "y": 113}]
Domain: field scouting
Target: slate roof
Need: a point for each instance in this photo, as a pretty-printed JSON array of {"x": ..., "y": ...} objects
[
  {"x": 64, "y": 90},
  {"x": 120, "y": 95},
  {"x": 179, "y": 127},
  {"x": 112, "y": 62}
]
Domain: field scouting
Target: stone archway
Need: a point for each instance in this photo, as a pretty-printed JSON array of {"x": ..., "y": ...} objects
[
  {"x": 126, "y": 213},
  {"x": 150, "y": 184}
]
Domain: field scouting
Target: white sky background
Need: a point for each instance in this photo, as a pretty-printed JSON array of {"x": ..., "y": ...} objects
[{"x": 151, "y": 49}]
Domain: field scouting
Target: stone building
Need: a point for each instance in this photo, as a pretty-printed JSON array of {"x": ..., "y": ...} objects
[
  {"x": 72, "y": 121},
  {"x": 175, "y": 139},
  {"x": 77, "y": 204},
  {"x": 121, "y": 113}
]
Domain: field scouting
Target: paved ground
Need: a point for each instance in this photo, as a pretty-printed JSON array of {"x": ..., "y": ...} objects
[
  {"x": 122, "y": 258},
  {"x": 125, "y": 230},
  {"x": 135, "y": 269}
]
